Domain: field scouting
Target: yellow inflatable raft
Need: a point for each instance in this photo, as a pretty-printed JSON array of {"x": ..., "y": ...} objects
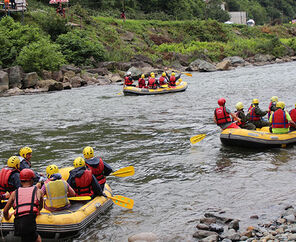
[
  {"x": 66, "y": 223},
  {"x": 257, "y": 139},
  {"x": 130, "y": 90}
]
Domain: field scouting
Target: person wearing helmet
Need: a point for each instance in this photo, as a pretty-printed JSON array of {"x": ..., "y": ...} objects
[
  {"x": 27, "y": 202},
  {"x": 142, "y": 82},
  {"x": 98, "y": 167},
  {"x": 163, "y": 79},
  {"x": 293, "y": 117},
  {"x": 280, "y": 120},
  {"x": 256, "y": 114},
  {"x": 152, "y": 82},
  {"x": 10, "y": 177},
  {"x": 173, "y": 79},
  {"x": 222, "y": 116},
  {"x": 25, "y": 155},
  {"x": 83, "y": 181},
  {"x": 128, "y": 80},
  {"x": 244, "y": 124},
  {"x": 56, "y": 190},
  {"x": 272, "y": 105}
]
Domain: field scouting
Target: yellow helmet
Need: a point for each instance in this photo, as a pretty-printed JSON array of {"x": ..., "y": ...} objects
[
  {"x": 255, "y": 101},
  {"x": 163, "y": 74},
  {"x": 78, "y": 162},
  {"x": 88, "y": 152},
  {"x": 24, "y": 151},
  {"x": 51, "y": 169},
  {"x": 274, "y": 99},
  {"x": 152, "y": 74},
  {"x": 280, "y": 105},
  {"x": 173, "y": 73},
  {"x": 239, "y": 106},
  {"x": 143, "y": 76},
  {"x": 13, "y": 162}
]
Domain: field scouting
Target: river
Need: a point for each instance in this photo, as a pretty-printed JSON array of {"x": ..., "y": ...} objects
[{"x": 175, "y": 183}]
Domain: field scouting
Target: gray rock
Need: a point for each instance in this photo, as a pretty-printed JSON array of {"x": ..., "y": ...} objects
[
  {"x": 144, "y": 237},
  {"x": 46, "y": 75},
  {"x": 30, "y": 80},
  {"x": 290, "y": 218},
  {"x": 235, "y": 60},
  {"x": 263, "y": 58},
  {"x": 15, "y": 91},
  {"x": 66, "y": 68},
  {"x": 68, "y": 75},
  {"x": 226, "y": 240},
  {"x": 142, "y": 58},
  {"x": 136, "y": 72},
  {"x": 217, "y": 228},
  {"x": 212, "y": 238},
  {"x": 57, "y": 86},
  {"x": 203, "y": 226},
  {"x": 100, "y": 71},
  {"x": 76, "y": 81},
  {"x": 67, "y": 85},
  {"x": 4, "y": 81},
  {"x": 15, "y": 76},
  {"x": 207, "y": 67},
  {"x": 223, "y": 65},
  {"x": 201, "y": 234},
  {"x": 234, "y": 225},
  {"x": 208, "y": 220},
  {"x": 57, "y": 75}
]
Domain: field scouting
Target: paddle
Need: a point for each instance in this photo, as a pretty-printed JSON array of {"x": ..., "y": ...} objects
[
  {"x": 200, "y": 137},
  {"x": 186, "y": 73},
  {"x": 124, "y": 172},
  {"x": 119, "y": 200}
]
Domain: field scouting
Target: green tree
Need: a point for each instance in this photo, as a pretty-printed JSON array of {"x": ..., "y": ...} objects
[{"x": 40, "y": 55}]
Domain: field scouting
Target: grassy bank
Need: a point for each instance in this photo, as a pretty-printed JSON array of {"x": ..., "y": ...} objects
[{"x": 46, "y": 41}]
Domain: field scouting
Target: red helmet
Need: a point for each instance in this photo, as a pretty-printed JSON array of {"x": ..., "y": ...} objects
[
  {"x": 26, "y": 175},
  {"x": 221, "y": 101}
]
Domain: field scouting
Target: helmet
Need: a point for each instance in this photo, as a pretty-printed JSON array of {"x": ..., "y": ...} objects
[
  {"x": 173, "y": 73},
  {"x": 152, "y": 74},
  {"x": 163, "y": 74},
  {"x": 274, "y": 99},
  {"x": 239, "y": 106},
  {"x": 13, "y": 162},
  {"x": 128, "y": 73},
  {"x": 255, "y": 101},
  {"x": 280, "y": 105},
  {"x": 51, "y": 169},
  {"x": 221, "y": 102},
  {"x": 78, "y": 162},
  {"x": 88, "y": 152},
  {"x": 24, "y": 151},
  {"x": 142, "y": 76},
  {"x": 26, "y": 174}
]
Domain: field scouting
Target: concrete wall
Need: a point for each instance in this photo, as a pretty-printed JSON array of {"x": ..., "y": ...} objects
[{"x": 238, "y": 17}]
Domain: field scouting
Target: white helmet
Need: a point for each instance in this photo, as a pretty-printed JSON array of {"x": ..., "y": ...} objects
[{"x": 128, "y": 73}]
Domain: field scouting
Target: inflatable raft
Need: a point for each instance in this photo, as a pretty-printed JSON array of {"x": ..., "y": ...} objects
[
  {"x": 130, "y": 90},
  {"x": 66, "y": 223},
  {"x": 257, "y": 139}
]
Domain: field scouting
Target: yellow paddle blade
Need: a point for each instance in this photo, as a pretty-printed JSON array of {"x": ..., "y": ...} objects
[
  {"x": 197, "y": 138},
  {"x": 82, "y": 198},
  {"x": 123, "y": 172},
  {"x": 122, "y": 201},
  {"x": 65, "y": 172},
  {"x": 163, "y": 86}
]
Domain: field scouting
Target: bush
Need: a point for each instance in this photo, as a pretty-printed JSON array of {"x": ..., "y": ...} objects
[
  {"x": 41, "y": 55},
  {"x": 13, "y": 37},
  {"x": 79, "y": 46}
]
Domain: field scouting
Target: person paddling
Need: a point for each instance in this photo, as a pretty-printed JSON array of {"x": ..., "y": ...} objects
[
  {"x": 244, "y": 124},
  {"x": 222, "y": 116},
  {"x": 256, "y": 114},
  {"x": 27, "y": 202},
  {"x": 293, "y": 117},
  {"x": 99, "y": 168}
]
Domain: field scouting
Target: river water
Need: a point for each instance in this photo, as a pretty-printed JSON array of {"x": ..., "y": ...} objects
[{"x": 175, "y": 183}]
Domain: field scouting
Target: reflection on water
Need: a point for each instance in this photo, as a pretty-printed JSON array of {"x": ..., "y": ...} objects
[{"x": 174, "y": 181}]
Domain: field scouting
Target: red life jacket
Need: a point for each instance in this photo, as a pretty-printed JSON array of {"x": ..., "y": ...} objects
[
  {"x": 4, "y": 176},
  {"x": 253, "y": 115},
  {"x": 173, "y": 81},
  {"x": 279, "y": 119},
  {"x": 161, "y": 80},
  {"x": 83, "y": 184},
  {"x": 293, "y": 114},
  {"x": 98, "y": 171},
  {"x": 26, "y": 201},
  {"x": 141, "y": 83},
  {"x": 152, "y": 83},
  {"x": 128, "y": 81},
  {"x": 222, "y": 116}
]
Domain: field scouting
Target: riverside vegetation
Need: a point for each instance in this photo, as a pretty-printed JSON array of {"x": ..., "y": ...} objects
[{"x": 46, "y": 41}]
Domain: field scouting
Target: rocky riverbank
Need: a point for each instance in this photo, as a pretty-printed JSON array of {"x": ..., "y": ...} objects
[{"x": 13, "y": 81}]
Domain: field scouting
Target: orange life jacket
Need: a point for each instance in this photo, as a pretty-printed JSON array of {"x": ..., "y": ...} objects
[
  {"x": 4, "y": 176},
  {"x": 152, "y": 83}
]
